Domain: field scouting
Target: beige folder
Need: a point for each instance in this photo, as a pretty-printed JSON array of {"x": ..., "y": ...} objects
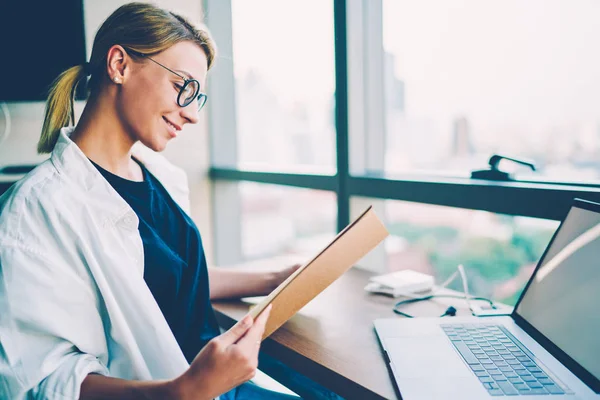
[{"x": 348, "y": 247}]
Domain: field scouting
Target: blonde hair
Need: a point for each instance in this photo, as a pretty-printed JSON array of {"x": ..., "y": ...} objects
[{"x": 143, "y": 28}]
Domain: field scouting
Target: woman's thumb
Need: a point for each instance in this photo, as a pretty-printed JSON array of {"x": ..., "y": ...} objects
[{"x": 237, "y": 331}]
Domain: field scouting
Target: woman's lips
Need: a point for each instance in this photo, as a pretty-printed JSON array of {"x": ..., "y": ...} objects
[{"x": 171, "y": 128}]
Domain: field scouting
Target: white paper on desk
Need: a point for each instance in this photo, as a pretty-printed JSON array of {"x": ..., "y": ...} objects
[{"x": 348, "y": 247}]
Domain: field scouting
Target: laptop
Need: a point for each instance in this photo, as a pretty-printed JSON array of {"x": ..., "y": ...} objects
[{"x": 549, "y": 347}]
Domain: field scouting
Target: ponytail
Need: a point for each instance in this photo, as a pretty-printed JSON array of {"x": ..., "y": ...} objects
[
  {"x": 143, "y": 28},
  {"x": 59, "y": 107}
]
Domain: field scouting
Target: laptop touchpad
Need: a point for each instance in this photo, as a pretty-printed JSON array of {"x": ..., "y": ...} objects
[{"x": 427, "y": 356}]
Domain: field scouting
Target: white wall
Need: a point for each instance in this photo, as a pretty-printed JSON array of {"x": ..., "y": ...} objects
[{"x": 189, "y": 151}]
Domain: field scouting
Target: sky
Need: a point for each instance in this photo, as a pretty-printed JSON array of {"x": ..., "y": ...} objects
[
  {"x": 290, "y": 43},
  {"x": 519, "y": 59},
  {"x": 533, "y": 60}
]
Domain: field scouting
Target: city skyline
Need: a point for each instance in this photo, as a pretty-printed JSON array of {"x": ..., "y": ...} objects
[{"x": 441, "y": 74}]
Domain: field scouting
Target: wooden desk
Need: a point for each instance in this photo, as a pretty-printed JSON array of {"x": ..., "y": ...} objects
[{"x": 332, "y": 340}]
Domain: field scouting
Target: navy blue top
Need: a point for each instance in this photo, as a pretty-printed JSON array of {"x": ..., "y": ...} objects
[{"x": 174, "y": 263}]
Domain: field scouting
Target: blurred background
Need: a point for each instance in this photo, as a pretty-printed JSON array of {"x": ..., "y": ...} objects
[{"x": 319, "y": 108}]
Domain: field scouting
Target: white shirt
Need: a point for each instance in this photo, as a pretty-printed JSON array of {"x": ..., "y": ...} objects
[{"x": 73, "y": 299}]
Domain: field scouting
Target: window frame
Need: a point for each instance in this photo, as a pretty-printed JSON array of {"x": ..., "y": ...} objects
[{"x": 358, "y": 23}]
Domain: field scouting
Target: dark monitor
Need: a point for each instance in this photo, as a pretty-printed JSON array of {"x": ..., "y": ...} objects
[{"x": 39, "y": 39}]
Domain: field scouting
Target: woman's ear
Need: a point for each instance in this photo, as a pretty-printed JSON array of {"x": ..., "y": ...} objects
[{"x": 117, "y": 61}]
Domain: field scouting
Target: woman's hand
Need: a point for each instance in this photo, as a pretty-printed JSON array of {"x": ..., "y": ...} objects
[
  {"x": 225, "y": 362},
  {"x": 280, "y": 276},
  {"x": 233, "y": 283}
]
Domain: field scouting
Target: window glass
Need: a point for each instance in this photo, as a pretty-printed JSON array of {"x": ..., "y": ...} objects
[
  {"x": 469, "y": 78},
  {"x": 498, "y": 252},
  {"x": 281, "y": 220},
  {"x": 284, "y": 84}
]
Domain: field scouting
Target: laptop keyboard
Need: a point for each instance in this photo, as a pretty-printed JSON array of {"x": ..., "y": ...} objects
[{"x": 498, "y": 360}]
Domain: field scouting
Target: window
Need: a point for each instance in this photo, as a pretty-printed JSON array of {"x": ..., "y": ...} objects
[
  {"x": 467, "y": 79},
  {"x": 435, "y": 86},
  {"x": 499, "y": 252},
  {"x": 275, "y": 220},
  {"x": 284, "y": 84}
]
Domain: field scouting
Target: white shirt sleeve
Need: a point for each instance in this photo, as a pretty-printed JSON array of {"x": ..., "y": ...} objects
[
  {"x": 51, "y": 329},
  {"x": 65, "y": 382}
]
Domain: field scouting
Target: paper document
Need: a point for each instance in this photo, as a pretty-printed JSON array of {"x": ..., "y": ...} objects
[{"x": 348, "y": 247}]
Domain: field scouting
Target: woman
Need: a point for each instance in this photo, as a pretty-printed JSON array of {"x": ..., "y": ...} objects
[{"x": 103, "y": 281}]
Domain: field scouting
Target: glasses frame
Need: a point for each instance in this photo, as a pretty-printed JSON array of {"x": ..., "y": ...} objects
[{"x": 201, "y": 97}]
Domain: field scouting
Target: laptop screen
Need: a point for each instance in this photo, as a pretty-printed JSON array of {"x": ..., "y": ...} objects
[{"x": 562, "y": 300}]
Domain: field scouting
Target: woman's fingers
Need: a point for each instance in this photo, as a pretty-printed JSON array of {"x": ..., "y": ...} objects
[
  {"x": 236, "y": 332},
  {"x": 252, "y": 338}
]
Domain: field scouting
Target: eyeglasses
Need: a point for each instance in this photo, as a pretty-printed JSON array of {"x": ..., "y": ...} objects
[{"x": 190, "y": 89}]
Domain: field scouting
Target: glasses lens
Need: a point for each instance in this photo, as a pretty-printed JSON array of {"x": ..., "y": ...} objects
[{"x": 188, "y": 92}]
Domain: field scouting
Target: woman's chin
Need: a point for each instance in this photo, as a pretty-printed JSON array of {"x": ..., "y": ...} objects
[
  {"x": 156, "y": 145},
  {"x": 160, "y": 146}
]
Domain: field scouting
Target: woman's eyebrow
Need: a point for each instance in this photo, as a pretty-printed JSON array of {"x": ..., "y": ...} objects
[{"x": 185, "y": 73}]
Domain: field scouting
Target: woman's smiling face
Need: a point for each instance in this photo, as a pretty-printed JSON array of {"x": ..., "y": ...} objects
[{"x": 146, "y": 99}]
